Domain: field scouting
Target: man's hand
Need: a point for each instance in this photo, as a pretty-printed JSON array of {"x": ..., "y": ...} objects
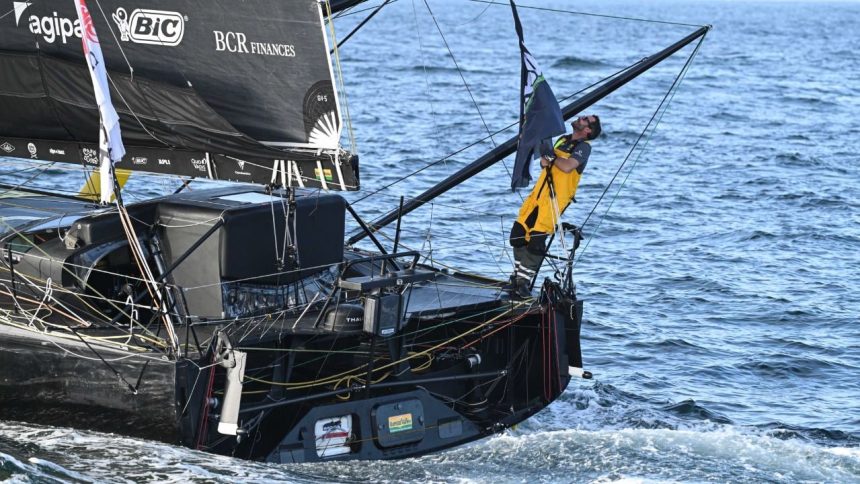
[{"x": 566, "y": 165}]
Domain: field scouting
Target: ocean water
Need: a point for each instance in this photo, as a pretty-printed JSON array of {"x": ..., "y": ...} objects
[{"x": 721, "y": 267}]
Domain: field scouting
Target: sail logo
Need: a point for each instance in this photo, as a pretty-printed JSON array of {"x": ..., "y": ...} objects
[
  {"x": 238, "y": 43},
  {"x": 50, "y": 28},
  {"x": 154, "y": 27},
  {"x": 199, "y": 164},
  {"x": 31, "y": 147},
  {"x": 90, "y": 155},
  {"x": 7, "y": 147},
  {"x": 241, "y": 170},
  {"x": 19, "y": 8}
]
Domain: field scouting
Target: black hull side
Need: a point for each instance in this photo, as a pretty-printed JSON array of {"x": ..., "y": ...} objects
[
  {"x": 56, "y": 381},
  {"x": 523, "y": 367}
]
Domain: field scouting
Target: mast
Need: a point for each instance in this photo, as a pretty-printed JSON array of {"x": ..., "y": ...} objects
[{"x": 510, "y": 146}]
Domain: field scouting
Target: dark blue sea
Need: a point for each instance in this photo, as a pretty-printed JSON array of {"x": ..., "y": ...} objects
[{"x": 721, "y": 269}]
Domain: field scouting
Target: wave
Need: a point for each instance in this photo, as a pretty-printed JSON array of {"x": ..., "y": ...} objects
[
  {"x": 652, "y": 441},
  {"x": 784, "y": 366},
  {"x": 37, "y": 470},
  {"x": 689, "y": 408},
  {"x": 725, "y": 454},
  {"x": 574, "y": 61},
  {"x": 826, "y": 437},
  {"x": 809, "y": 101}
]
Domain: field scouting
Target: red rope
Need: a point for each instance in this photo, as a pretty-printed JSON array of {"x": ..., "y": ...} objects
[
  {"x": 204, "y": 420},
  {"x": 557, "y": 378},
  {"x": 503, "y": 326},
  {"x": 544, "y": 323}
]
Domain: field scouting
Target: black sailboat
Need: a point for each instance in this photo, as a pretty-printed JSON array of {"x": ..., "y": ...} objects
[{"x": 241, "y": 320}]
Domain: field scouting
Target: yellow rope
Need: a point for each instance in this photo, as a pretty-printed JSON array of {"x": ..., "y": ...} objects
[{"x": 355, "y": 372}]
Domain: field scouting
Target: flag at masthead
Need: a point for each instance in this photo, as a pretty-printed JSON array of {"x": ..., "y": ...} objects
[{"x": 540, "y": 114}]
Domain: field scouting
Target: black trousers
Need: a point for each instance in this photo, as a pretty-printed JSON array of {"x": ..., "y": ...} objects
[{"x": 528, "y": 255}]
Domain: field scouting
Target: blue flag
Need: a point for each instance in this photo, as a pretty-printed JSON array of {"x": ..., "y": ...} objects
[{"x": 540, "y": 114}]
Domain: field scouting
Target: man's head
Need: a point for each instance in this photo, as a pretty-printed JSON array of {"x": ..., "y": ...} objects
[{"x": 586, "y": 127}]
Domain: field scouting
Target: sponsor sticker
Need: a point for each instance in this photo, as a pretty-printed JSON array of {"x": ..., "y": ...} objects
[
  {"x": 57, "y": 151},
  {"x": 199, "y": 164},
  {"x": 31, "y": 148},
  {"x": 153, "y": 27},
  {"x": 241, "y": 170},
  {"x": 139, "y": 160},
  {"x": 325, "y": 172},
  {"x": 238, "y": 43},
  {"x": 399, "y": 423},
  {"x": 51, "y": 28},
  {"x": 91, "y": 156},
  {"x": 7, "y": 147}
]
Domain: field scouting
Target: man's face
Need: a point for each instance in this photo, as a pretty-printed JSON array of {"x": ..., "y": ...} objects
[{"x": 583, "y": 123}]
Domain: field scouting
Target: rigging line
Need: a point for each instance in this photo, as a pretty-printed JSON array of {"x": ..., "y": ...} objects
[
  {"x": 479, "y": 141},
  {"x": 486, "y": 243},
  {"x": 278, "y": 259},
  {"x": 647, "y": 125},
  {"x": 66, "y": 270},
  {"x": 357, "y": 371},
  {"x": 460, "y": 71},
  {"x": 18, "y": 171},
  {"x": 131, "y": 73},
  {"x": 428, "y": 241},
  {"x": 459, "y": 208},
  {"x": 90, "y": 181},
  {"x": 387, "y": 237},
  {"x": 436, "y": 130},
  {"x": 151, "y": 285},
  {"x": 347, "y": 12},
  {"x": 6, "y": 14},
  {"x": 360, "y": 25},
  {"x": 36, "y": 175},
  {"x": 589, "y": 14},
  {"x": 476, "y": 16},
  {"x": 263, "y": 276},
  {"x": 667, "y": 99},
  {"x": 63, "y": 310},
  {"x": 121, "y": 50},
  {"x": 69, "y": 313},
  {"x": 341, "y": 84}
]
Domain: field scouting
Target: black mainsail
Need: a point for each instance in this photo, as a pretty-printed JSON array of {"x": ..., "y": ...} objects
[{"x": 248, "y": 96}]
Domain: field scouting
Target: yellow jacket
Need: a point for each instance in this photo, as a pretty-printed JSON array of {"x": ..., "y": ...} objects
[{"x": 537, "y": 213}]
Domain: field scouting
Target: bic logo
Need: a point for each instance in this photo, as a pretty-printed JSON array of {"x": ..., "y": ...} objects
[{"x": 156, "y": 27}]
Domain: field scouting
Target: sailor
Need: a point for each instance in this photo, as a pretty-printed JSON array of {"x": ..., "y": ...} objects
[{"x": 552, "y": 193}]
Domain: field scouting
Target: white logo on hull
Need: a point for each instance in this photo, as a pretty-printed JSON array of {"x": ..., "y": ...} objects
[
  {"x": 91, "y": 156},
  {"x": 238, "y": 43},
  {"x": 154, "y": 27},
  {"x": 143, "y": 26},
  {"x": 199, "y": 164},
  {"x": 19, "y": 8},
  {"x": 50, "y": 28}
]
